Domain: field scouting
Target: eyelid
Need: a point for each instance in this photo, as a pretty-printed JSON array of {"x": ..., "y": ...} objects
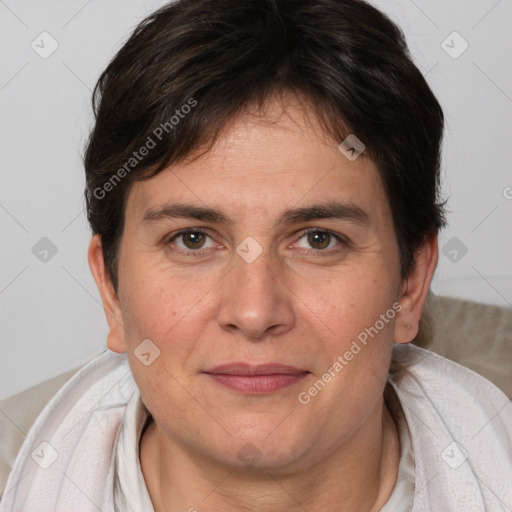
[{"x": 187, "y": 230}]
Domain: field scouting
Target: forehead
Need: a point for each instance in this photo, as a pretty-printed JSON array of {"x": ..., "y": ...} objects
[{"x": 264, "y": 164}]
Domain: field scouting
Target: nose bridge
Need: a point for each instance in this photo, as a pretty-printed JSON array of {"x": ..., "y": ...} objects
[
  {"x": 254, "y": 299},
  {"x": 255, "y": 277}
]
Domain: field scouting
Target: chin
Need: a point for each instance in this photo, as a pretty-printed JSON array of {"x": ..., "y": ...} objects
[{"x": 261, "y": 447}]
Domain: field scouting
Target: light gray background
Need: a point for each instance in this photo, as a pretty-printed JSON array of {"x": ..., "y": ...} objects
[{"x": 51, "y": 317}]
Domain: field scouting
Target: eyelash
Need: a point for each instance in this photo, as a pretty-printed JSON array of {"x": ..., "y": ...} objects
[{"x": 318, "y": 252}]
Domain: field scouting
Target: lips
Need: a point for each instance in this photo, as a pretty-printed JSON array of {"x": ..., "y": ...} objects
[
  {"x": 256, "y": 379},
  {"x": 260, "y": 369}
]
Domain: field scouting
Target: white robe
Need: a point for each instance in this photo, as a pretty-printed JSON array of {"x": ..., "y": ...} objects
[{"x": 460, "y": 426}]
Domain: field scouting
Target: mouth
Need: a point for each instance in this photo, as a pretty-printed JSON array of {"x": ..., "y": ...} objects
[{"x": 256, "y": 379}]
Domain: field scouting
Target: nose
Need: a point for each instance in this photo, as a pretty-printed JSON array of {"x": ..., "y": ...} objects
[{"x": 255, "y": 300}]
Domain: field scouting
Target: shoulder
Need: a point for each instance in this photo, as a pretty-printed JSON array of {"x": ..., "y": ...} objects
[
  {"x": 20, "y": 413},
  {"x": 461, "y": 432},
  {"x": 436, "y": 371},
  {"x": 17, "y": 415},
  {"x": 452, "y": 387}
]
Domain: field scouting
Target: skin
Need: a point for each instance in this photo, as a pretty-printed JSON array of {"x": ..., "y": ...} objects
[{"x": 301, "y": 302}]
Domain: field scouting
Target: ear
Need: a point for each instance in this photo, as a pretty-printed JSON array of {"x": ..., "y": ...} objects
[
  {"x": 111, "y": 305},
  {"x": 414, "y": 289}
]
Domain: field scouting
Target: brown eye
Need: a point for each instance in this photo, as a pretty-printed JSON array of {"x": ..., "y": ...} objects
[
  {"x": 193, "y": 240},
  {"x": 319, "y": 239},
  {"x": 322, "y": 242}
]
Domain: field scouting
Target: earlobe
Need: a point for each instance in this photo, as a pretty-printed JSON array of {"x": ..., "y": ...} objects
[
  {"x": 414, "y": 291},
  {"x": 116, "y": 332}
]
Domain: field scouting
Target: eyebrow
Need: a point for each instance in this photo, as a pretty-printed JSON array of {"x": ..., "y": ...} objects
[{"x": 330, "y": 210}]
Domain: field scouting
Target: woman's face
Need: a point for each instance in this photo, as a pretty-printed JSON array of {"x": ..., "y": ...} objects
[{"x": 289, "y": 256}]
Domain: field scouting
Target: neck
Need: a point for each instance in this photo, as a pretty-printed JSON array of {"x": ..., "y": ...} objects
[{"x": 360, "y": 475}]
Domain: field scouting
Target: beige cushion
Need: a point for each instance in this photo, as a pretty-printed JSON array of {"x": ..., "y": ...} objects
[{"x": 477, "y": 336}]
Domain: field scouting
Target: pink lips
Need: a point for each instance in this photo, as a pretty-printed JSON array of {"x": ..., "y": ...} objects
[{"x": 256, "y": 379}]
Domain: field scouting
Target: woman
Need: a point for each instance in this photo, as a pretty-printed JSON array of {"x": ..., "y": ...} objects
[{"x": 262, "y": 187}]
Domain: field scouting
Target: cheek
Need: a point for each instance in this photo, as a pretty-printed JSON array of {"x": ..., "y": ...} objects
[
  {"x": 154, "y": 300},
  {"x": 358, "y": 311},
  {"x": 172, "y": 312},
  {"x": 357, "y": 350},
  {"x": 351, "y": 302},
  {"x": 160, "y": 311}
]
